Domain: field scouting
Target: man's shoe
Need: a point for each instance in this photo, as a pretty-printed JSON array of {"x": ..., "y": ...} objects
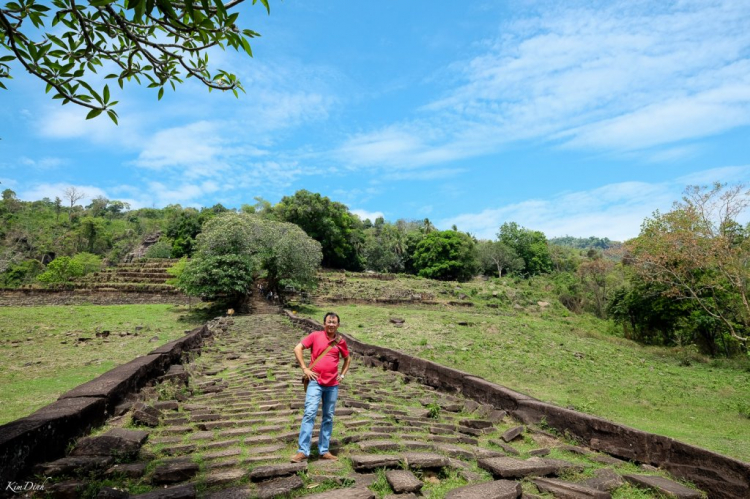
[
  {"x": 329, "y": 457},
  {"x": 298, "y": 457}
]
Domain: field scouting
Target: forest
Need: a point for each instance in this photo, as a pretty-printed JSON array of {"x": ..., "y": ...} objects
[{"x": 682, "y": 281}]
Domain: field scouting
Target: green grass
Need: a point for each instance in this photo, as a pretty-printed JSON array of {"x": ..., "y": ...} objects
[
  {"x": 572, "y": 361},
  {"x": 36, "y": 366}
]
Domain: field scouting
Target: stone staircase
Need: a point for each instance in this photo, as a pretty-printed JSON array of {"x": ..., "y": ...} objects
[
  {"x": 225, "y": 425},
  {"x": 144, "y": 275}
]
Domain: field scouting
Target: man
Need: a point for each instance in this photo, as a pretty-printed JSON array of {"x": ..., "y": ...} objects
[{"x": 324, "y": 384}]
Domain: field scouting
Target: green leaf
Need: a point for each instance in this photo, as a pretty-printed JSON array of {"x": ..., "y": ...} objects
[
  {"x": 93, "y": 113},
  {"x": 246, "y": 46},
  {"x": 49, "y": 87},
  {"x": 3, "y": 86},
  {"x": 220, "y": 8},
  {"x": 265, "y": 4},
  {"x": 7, "y": 58},
  {"x": 113, "y": 116},
  {"x": 106, "y": 93},
  {"x": 161, "y": 93}
]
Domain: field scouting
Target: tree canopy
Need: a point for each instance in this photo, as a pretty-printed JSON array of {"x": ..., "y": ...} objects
[
  {"x": 530, "y": 245},
  {"x": 236, "y": 248},
  {"x": 446, "y": 255},
  {"x": 698, "y": 252},
  {"x": 338, "y": 231},
  {"x": 161, "y": 42}
]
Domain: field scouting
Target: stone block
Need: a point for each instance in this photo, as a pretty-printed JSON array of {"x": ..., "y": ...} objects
[
  {"x": 186, "y": 491},
  {"x": 512, "y": 433},
  {"x": 424, "y": 460},
  {"x": 402, "y": 481},
  {"x": 45, "y": 434},
  {"x": 373, "y": 461},
  {"x": 354, "y": 493},
  {"x": 280, "y": 487},
  {"x": 568, "y": 490},
  {"x": 118, "y": 382},
  {"x": 276, "y": 470},
  {"x": 499, "y": 489},
  {"x": 662, "y": 485},
  {"x": 175, "y": 470},
  {"x": 508, "y": 467}
]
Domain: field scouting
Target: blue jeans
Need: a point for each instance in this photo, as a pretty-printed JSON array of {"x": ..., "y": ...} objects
[{"x": 313, "y": 397}]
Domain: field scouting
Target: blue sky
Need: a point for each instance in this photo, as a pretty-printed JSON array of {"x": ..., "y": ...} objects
[{"x": 574, "y": 118}]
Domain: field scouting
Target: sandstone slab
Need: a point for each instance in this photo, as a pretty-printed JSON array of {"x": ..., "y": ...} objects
[
  {"x": 373, "y": 461},
  {"x": 499, "y": 489},
  {"x": 180, "y": 492},
  {"x": 568, "y": 490},
  {"x": 604, "y": 479},
  {"x": 176, "y": 470},
  {"x": 224, "y": 477},
  {"x": 279, "y": 487},
  {"x": 403, "y": 482},
  {"x": 512, "y": 433},
  {"x": 663, "y": 486},
  {"x": 73, "y": 465},
  {"x": 508, "y": 467},
  {"x": 355, "y": 493},
  {"x": 276, "y": 470},
  {"x": 424, "y": 460}
]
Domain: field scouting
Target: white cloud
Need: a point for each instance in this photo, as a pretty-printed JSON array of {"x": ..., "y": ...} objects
[
  {"x": 46, "y": 163},
  {"x": 728, "y": 174},
  {"x": 8, "y": 183},
  {"x": 615, "y": 211},
  {"x": 619, "y": 77},
  {"x": 70, "y": 122},
  {"x": 368, "y": 215}
]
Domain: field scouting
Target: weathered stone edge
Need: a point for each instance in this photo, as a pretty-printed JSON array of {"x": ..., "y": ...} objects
[
  {"x": 45, "y": 434},
  {"x": 721, "y": 476}
]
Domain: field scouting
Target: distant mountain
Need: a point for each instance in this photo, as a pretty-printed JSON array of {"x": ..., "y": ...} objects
[{"x": 585, "y": 242}]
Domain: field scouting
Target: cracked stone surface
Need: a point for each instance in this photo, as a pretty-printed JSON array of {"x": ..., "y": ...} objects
[{"x": 228, "y": 424}]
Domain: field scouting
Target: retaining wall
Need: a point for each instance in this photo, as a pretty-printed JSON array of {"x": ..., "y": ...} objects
[
  {"x": 45, "y": 435},
  {"x": 38, "y": 297},
  {"x": 722, "y": 476}
]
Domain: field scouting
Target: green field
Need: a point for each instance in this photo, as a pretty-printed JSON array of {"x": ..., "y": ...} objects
[
  {"x": 570, "y": 360},
  {"x": 41, "y": 356}
]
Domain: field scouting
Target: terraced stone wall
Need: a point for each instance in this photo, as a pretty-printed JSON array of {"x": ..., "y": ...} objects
[
  {"x": 131, "y": 296},
  {"x": 723, "y": 476},
  {"x": 45, "y": 434}
]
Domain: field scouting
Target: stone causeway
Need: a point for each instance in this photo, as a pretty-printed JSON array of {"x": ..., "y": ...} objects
[{"x": 223, "y": 424}]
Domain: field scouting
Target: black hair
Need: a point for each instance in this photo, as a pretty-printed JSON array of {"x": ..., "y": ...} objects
[{"x": 331, "y": 314}]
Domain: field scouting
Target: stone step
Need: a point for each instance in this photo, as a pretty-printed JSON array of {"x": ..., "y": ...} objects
[
  {"x": 663, "y": 486},
  {"x": 560, "y": 488}
]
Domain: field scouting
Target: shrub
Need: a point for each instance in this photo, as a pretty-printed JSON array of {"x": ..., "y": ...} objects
[
  {"x": 88, "y": 262},
  {"x": 61, "y": 269},
  {"x": 161, "y": 249}
]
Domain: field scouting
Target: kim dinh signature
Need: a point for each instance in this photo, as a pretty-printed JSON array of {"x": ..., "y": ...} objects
[{"x": 28, "y": 486}]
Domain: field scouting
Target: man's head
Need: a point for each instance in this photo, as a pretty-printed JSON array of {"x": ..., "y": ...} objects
[{"x": 331, "y": 322}]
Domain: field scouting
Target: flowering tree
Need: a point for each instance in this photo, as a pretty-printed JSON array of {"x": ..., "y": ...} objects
[{"x": 699, "y": 252}]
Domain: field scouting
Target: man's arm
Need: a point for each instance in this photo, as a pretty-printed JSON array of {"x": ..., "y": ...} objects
[
  {"x": 347, "y": 361},
  {"x": 301, "y": 361}
]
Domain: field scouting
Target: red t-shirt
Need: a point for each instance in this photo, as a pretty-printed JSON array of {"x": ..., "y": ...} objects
[{"x": 327, "y": 367}]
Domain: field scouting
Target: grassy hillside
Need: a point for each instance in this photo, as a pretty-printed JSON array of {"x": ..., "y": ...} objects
[
  {"x": 534, "y": 345},
  {"x": 42, "y": 355}
]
